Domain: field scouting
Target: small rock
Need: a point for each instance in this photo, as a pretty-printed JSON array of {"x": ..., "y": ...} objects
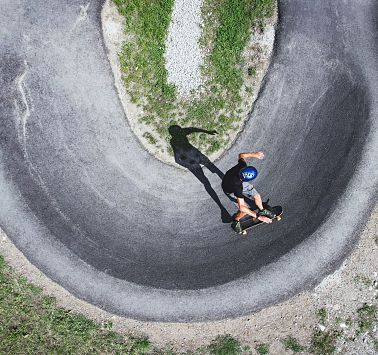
[
  {"x": 343, "y": 325},
  {"x": 321, "y": 327}
]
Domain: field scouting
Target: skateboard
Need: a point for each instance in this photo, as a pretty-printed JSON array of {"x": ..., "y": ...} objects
[{"x": 249, "y": 222}]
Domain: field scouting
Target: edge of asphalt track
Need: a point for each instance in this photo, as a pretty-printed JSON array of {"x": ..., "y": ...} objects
[{"x": 301, "y": 268}]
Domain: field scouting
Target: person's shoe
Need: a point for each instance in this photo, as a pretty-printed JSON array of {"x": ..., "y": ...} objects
[
  {"x": 267, "y": 213},
  {"x": 236, "y": 226}
]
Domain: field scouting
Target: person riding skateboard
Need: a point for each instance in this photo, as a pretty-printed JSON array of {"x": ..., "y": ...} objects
[{"x": 237, "y": 182}]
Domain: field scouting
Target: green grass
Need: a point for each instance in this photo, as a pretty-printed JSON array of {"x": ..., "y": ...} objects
[
  {"x": 363, "y": 280},
  {"x": 367, "y": 318},
  {"x": 142, "y": 57},
  {"x": 323, "y": 343},
  {"x": 262, "y": 349},
  {"x": 225, "y": 345},
  {"x": 218, "y": 106},
  {"x": 236, "y": 17},
  {"x": 322, "y": 314},
  {"x": 292, "y": 344},
  {"x": 31, "y": 323},
  {"x": 375, "y": 343},
  {"x": 150, "y": 138}
]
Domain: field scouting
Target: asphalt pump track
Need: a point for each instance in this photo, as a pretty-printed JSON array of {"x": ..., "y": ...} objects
[{"x": 86, "y": 204}]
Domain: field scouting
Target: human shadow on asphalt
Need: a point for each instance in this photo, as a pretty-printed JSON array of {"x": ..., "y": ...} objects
[{"x": 191, "y": 158}]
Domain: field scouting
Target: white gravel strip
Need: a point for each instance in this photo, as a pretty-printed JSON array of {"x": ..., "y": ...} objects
[{"x": 183, "y": 54}]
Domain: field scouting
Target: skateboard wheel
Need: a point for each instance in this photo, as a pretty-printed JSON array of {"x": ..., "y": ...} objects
[
  {"x": 279, "y": 218},
  {"x": 244, "y": 232}
]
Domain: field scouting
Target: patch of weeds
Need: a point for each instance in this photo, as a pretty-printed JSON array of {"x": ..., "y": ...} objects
[
  {"x": 225, "y": 345},
  {"x": 140, "y": 346},
  {"x": 262, "y": 349},
  {"x": 34, "y": 289},
  {"x": 322, "y": 314},
  {"x": 324, "y": 343},
  {"x": 249, "y": 89},
  {"x": 108, "y": 325},
  {"x": 246, "y": 349},
  {"x": 348, "y": 322},
  {"x": 375, "y": 343},
  {"x": 150, "y": 138},
  {"x": 64, "y": 322},
  {"x": 2, "y": 263},
  {"x": 48, "y": 301},
  {"x": 366, "y": 318},
  {"x": 364, "y": 280},
  {"x": 252, "y": 71},
  {"x": 292, "y": 344}
]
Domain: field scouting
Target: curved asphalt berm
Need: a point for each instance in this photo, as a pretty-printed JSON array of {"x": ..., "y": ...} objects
[{"x": 99, "y": 215}]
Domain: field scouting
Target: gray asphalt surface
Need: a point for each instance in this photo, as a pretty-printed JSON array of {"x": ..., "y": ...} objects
[{"x": 93, "y": 210}]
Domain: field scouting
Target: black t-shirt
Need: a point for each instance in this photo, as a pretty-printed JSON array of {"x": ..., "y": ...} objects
[{"x": 231, "y": 182}]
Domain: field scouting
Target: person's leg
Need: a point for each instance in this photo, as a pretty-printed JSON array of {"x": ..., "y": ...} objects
[
  {"x": 212, "y": 167},
  {"x": 259, "y": 204},
  {"x": 239, "y": 216},
  {"x": 232, "y": 198},
  {"x": 258, "y": 201},
  {"x": 253, "y": 193},
  {"x": 199, "y": 174},
  {"x": 236, "y": 225}
]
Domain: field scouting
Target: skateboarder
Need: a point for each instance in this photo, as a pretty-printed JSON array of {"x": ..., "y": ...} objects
[{"x": 237, "y": 182}]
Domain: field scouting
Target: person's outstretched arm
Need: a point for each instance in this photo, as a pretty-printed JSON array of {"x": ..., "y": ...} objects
[
  {"x": 257, "y": 155},
  {"x": 190, "y": 130}
]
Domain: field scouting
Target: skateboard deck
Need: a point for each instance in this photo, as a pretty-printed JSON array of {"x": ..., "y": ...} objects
[{"x": 249, "y": 222}]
